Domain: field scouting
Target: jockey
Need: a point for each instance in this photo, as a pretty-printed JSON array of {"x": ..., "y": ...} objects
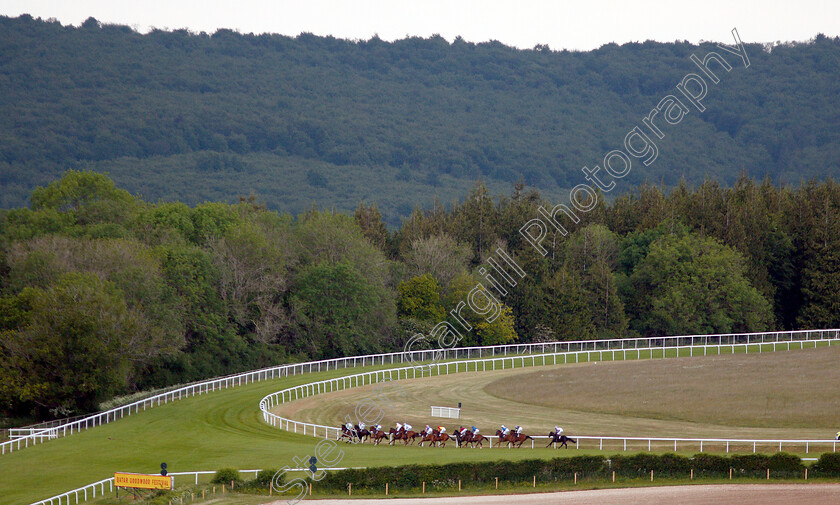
[
  {"x": 474, "y": 430},
  {"x": 428, "y": 430},
  {"x": 399, "y": 427},
  {"x": 348, "y": 426},
  {"x": 518, "y": 430},
  {"x": 558, "y": 430},
  {"x": 505, "y": 430},
  {"x": 441, "y": 429},
  {"x": 377, "y": 428},
  {"x": 838, "y": 435},
  {"x": 361, "y": 426},
  {"x": 407, "y": 427},
  {"x": 463, "y": 431}
]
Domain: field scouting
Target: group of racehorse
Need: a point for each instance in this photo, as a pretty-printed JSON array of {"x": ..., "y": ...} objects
[{"x": 436, "y": 438}]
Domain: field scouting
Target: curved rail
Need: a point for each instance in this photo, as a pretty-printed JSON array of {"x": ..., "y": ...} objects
[
  {"x": 272, "y": 400},
  {"x": 413, "y": 356}
]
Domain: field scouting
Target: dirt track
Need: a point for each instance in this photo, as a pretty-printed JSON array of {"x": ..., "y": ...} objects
[{"x": 740, "y": 494}]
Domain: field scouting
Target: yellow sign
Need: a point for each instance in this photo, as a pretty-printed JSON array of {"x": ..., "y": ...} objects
[{"x": 142, "y": 481}]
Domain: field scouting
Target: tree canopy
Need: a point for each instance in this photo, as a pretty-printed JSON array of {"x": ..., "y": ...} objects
[{"x": 191, "y": 117}]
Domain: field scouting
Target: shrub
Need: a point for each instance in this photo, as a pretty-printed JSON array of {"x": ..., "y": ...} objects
[
  {"x": 264, "y": 478},
  {"x": 828, "y": 465},
  {"x": 707, "y": 465},
  {"x": 639, "y": 465},
  {"x": 261, "y": 483},
  {"x": 226, "y": 475},
  {"x": 756, "y": 464}
]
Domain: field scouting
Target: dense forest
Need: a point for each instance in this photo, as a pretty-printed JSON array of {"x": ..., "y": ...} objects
[
  {"x": 103, "y": 293},
  {"x": 188, "y": 117}
]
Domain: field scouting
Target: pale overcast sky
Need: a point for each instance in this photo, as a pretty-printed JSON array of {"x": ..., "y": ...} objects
[{"x": 582, "y": 24}]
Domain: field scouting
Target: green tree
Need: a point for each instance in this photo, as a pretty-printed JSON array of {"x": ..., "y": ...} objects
[
  {"x": 686, "y": 284},
  {"x": 337, "y": 311},
  {"x": 369, "y": 219},
  {"x": 500, "y": 330},
  {"x": 592, "y": 253},
  {"x": 74, "y": 348},
  {"x": 439, "y": 255},
  {"x": 90, "y": 197},
  {"x": 419, "y": 298}
]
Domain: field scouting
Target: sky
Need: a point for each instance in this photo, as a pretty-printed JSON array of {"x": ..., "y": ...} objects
[{"x": 573, "y": 25}]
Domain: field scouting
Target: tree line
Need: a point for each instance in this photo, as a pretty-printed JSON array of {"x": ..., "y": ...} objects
[{"x": 103, "y": 293}]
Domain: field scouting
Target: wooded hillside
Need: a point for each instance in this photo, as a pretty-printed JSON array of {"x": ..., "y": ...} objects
[{"x": 195, "y": 117}]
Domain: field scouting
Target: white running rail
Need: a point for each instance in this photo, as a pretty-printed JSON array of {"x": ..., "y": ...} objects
[
  {"x": 272, "y": 400},
  {"x": 414, "y": 357}
]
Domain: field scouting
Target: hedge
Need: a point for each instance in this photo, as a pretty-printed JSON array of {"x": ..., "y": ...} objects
[
  {"x": 445, "y": 476},
  {"x": 828, "y": 465},
  {"x": 585, "y": 467}
]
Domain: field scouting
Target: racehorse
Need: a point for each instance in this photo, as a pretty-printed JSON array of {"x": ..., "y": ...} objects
[
  {"x": 362, "y": 434},
  {"x": 427, "y": 437},
  {"x": 352, "y": 435},
  {"x": 394, "y": 435},
  {"x": 378, "y": 436},
  {"x": 471, "y": 439},
  {"x": 345, "y": 434},
  {"x": 560, "y": 439},
  {"x": 476, "y": 439},
  {"x": 440, "y": 438},
  {"x": 511, "y": 438}
]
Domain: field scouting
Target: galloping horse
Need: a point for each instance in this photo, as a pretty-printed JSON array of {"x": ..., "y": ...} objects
[
  {"x": 560, "y": 439},
  {"x": 427, "y": 437},
  {"x": 461, "y": 439},
  {"x": 362, "y": 434},
  {"x": 378, "y": 436},
  {"x": 440, "y": 438},
  {"x": 345, "y": 434},
  {"x": 511, "y": 438},
  {"x": 471, "y": 439},
  {"x": 394, "y": 435},
  {"x": 476, "y": 439}
]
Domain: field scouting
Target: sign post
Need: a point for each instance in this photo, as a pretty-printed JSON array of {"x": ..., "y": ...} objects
[{"x": 143, "y": 481}]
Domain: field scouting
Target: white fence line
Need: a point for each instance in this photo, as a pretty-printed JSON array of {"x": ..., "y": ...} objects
[
  {"x": 727, "y": 442},
  {"x": 272, "y": 400},
  {"x": 81, "y": 494},
  {"x": 16, "y": 433},
  {"x": 417, "y": 356},
  {"x": 64, "y": 498},
  {"x": 675, "y": 443},
  {"x": 449, "y": 412}
]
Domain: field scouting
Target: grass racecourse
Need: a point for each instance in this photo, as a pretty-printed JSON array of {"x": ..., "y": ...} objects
[{"x": 787, "y": 393}]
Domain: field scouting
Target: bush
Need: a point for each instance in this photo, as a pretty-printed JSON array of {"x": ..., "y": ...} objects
[
  {"x": 633, "y": 466},
  {"x": 828, "y": 465},
  {"x": 639, "y": 465},
  {"x": 755, "y": 465},
  {"x": 226, "y": 475},
  {"x": 261, "y": 483},
  {"x": 710, "y": 465},
  {"x": 264, "y": 478},
  {"x": 447, "y": 476}
]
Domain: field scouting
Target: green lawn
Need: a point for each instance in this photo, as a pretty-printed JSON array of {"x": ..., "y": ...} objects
[{"x": 220, "y": 429}]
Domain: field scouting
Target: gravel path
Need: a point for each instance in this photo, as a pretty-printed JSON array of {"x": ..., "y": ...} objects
[{"x": 740, "y": 494}]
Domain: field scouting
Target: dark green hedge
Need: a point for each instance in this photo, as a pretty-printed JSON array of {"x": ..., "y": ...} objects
[
  {"x": 629, "y": 466},
  {"x": 828, "y": 465},
  {"x": 445, "y": 476}
]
